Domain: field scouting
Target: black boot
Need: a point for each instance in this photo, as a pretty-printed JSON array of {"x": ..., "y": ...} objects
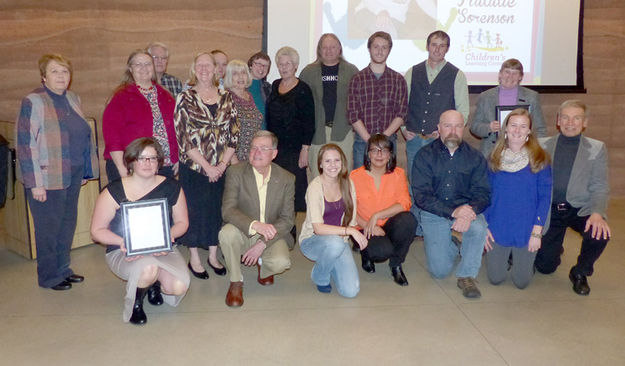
[
  {"x": 138, "y": 316},
  {"x": 367, "y": 263},
  {"x": 154, "y": 294},
  {"x": 398, "y": 276}
]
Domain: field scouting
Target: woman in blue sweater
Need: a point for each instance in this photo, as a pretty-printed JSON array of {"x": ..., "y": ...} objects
[{"x": 520, "y": 179}]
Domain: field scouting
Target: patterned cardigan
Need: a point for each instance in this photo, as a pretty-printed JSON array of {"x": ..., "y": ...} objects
[
  {"x": 42, "y": 143},
  {"x": 198, "y": 128}
]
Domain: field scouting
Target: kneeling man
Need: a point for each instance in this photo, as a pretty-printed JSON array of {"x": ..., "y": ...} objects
[
  {"x": 450, "y": 186},
  {"x": 580, "y": 195},
  {"x": 258, "y": 213}
]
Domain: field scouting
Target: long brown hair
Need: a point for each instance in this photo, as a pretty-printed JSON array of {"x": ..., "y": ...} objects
[
  {"x": 537, "y": 156},
  {"x": 127, "y": 78},
  {"x": 343, "y": 178}
]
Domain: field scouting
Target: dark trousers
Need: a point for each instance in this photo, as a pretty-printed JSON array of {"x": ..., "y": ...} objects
[
  {"x": 113, "y": 174},
  {"x": 55, "y": 224},
  {"x": 394, "y": 245},
  {"x": 548, "y": 256}
]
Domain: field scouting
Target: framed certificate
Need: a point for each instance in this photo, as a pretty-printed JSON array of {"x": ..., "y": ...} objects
[
  {"x": 146, "y": 227},
  {"x": 502, "y": 111}
]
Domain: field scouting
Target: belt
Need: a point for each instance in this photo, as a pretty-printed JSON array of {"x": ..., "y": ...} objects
[
  {"x": 329, "y": 123},
  {"x": 425, "y": 137},
  {"x": 561, "y": 206}
]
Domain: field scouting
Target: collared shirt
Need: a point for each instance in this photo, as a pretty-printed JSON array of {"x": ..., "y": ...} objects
[
  {"x": 461, "y": 90},
  {"x": 261, "y": 185},
  {"x": 371, "y": 199},
  {"x": 441, "y": 182},
  {"x": 172, "y": 84},
  {"x": 377, "y": 102}
]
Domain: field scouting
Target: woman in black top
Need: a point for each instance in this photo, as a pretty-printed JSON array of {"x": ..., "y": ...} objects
[{"x": 291, "y": 116}]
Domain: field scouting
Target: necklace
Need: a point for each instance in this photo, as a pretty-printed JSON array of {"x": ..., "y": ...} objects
[{"x": 145, "y": 90}]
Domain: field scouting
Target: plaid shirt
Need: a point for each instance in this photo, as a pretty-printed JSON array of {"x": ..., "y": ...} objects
[
  {"x": 172, "y": 84},
  {"x": 376, "y": 102}
]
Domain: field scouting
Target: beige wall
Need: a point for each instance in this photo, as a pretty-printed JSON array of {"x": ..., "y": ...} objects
[{"x": 98, "y": 35}]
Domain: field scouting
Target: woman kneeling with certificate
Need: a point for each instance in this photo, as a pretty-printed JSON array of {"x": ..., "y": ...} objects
[{"x": 154, "y": 271}]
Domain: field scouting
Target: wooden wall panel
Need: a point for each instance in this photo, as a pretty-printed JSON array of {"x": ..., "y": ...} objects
[{"x": 98, "y": 35}]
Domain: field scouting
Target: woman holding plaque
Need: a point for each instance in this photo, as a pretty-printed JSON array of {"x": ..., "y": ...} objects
[
  {"x": 56, "y": 154},
  {"x": 161, "y": 276},
  {"x": 486, "y": 124}
]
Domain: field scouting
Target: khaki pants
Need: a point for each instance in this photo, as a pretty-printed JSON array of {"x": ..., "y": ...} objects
[
  {"x": 233, "y": 243},
  {"x": 346, "y": 145}
]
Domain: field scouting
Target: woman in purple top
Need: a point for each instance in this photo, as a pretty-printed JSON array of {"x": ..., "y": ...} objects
[
  {"x": 330, "y": 221},
  {"x": 509, "y": 92},
  {"x": 520, "y": 179}
]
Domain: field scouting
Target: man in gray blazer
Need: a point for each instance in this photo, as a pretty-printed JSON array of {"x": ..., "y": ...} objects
[
  {"x": 258, "y": 211},
  {"x": 328, "y": 78},
  {"x": 580, "y": 195}
]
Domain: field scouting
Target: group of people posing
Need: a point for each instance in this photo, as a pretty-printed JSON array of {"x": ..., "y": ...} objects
[{"x": 249, "y": 155}]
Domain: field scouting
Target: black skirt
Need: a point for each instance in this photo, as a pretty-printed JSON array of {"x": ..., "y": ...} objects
[{"x": 204, "y": 206}]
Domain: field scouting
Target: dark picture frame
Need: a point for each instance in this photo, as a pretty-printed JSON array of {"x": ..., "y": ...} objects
[
  {"x": 502, "y": 111},
  {"x": 146, "y": 227}
]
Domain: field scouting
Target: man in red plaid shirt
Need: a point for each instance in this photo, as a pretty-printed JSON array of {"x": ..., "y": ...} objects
[{"x": 377, "y": 97}]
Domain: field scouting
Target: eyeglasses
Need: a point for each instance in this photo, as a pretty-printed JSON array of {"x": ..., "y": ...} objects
[
  {"x": 262, "y": 149},
  {"x": 146, "y": 159},
  {"x": 377, "y": 150},
  {"x": 260, "y": 64},
  {"x": 161, "y": 58},
  {"x": 140, "y": 65}
]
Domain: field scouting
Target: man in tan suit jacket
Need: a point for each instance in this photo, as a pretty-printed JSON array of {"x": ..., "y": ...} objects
[{"x": 258, "y": 212}]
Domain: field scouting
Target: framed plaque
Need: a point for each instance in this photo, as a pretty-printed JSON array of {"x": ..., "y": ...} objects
[
  {"x": 502, "y": 111},
  {"x": 146, "y": 227}
]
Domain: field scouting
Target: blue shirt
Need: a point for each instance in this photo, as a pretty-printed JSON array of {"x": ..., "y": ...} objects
[
  {"x": 519, "y": 201},
  {"x": 441, "y": 182}
]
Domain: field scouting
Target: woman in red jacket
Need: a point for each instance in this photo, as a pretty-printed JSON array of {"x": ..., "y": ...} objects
[{"x": 139, "y": 107}]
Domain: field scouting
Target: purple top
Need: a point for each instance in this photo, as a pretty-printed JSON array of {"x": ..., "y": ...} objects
[
  {"x": 333, "y": 212},
  {"x": 508, "y": 96}
]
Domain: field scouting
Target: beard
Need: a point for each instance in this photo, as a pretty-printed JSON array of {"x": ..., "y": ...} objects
[{"x": 452, "y": 141}]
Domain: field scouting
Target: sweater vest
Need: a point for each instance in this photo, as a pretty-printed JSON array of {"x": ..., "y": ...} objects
[{"x": 428, "y": 101}]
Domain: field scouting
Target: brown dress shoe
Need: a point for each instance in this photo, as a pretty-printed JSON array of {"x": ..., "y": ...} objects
[
  {"x": 267, "y": 281},
  {"x": 234, "y": 298}
]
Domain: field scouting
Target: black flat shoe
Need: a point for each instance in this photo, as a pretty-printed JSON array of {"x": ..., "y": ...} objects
[
  {"x": 62, "y": 286},
  {"x": 154, "y": 294},
  {"x": 75, "y": 278},
  {"x": 398, "y": 276},
  {"x": 218, "y": 271},
  {"x": 200, "y": 275},
  {"x": 367, "y": 263},
  {"x": 580, "y": 284}
]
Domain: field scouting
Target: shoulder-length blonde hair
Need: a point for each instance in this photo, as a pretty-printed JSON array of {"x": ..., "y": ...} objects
[
  {"x": 193, "y": 77},
  {"x": 343, "y": 178},
  {"x": 538, "y": 157}
]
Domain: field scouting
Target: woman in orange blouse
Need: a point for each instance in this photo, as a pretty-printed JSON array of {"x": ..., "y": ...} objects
[{"x": 383, "y": 208}]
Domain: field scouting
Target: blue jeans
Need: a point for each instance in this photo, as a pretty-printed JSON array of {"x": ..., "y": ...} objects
[
  {"x": 333, "y": 260},
  {"x": 360, "y": 147},
  {"x": 412, "y": 147},
  {"x": 442, "y": 253}
]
